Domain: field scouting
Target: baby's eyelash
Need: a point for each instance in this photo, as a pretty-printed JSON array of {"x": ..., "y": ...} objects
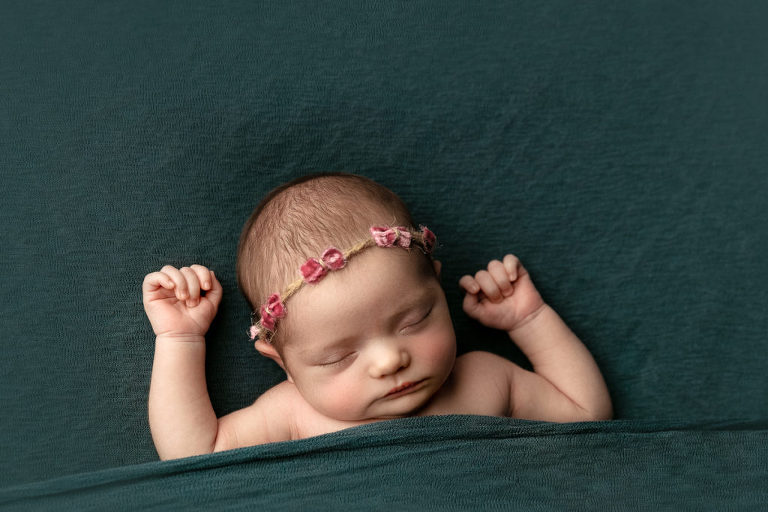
[
  {"x": 337, "y": 362},
  {"x": 417, "y": 324},
  {"x": 423, "y": 317}
]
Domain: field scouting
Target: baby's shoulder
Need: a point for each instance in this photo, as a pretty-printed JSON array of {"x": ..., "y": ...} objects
[
  {"x": 282, "y": 397},
  {"x": 482, "y": 365},
  {"x": 480, "y": 357},
  {"x": 479, "y": 384}
]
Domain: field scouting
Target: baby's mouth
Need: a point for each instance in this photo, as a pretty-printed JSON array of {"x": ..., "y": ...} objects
[{"x": 404, "y": 388}]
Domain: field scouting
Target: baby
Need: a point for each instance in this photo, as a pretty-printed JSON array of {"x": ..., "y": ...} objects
[{"x": 362, "y": 330}]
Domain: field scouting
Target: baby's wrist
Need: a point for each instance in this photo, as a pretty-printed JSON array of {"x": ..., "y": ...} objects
[
  {"x": 527, "y": 321},
  {"x": 179, "y": 338}
]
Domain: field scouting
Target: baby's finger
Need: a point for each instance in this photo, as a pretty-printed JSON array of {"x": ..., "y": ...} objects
[
  {"x": 499, "y": 274},
  {"x": 216, "y": 291},
  {"x": 203, "y": 276},
  {"x": 469, "y": 284},
  {"x": 512, "y": 266},
  {"x": 180, "y": 282},
  {"x": 488, "y": 286},
  {"x": 156, "y": 280},
  {"x": 193, "y": 286}
]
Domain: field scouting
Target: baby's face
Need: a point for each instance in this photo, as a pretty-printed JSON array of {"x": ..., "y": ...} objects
[{"x": 373, "y": 340}]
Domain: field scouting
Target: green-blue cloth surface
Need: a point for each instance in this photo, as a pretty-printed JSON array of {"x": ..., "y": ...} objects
[
  {"x": 444, "y": 463},
  {"x": 619, "y": 150}
]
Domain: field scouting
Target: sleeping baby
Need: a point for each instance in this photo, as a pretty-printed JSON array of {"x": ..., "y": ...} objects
[{"x": 346, "y": 299}]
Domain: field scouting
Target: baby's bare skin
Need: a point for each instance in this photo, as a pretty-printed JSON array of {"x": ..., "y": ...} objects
[{"x": 363, "y": 350}]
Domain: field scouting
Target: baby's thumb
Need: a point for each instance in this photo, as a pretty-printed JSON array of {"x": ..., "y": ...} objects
[{"x": 471, "y": 304}]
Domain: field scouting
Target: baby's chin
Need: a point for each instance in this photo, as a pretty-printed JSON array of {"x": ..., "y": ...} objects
[{"x": 403, "y": 407}]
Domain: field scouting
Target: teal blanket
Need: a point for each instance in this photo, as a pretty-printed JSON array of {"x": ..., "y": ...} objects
[
  {"x": 619, "y": 150},
  {"x": 445, "y": 463}
]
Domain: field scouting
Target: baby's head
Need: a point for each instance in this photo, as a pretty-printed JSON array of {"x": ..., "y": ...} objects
[{"x": 379, "y": 323}]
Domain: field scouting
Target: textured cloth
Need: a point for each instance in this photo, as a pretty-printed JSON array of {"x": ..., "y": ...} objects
[
  {"x": 444, "y": 463},
  {"x": 619, "y": 150}
]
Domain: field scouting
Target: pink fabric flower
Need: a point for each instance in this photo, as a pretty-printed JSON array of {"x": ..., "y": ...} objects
[
  {"x": 254, "y": 331},
  {"x": 312, "y": 271},
  {"x": 267, "y": 320},
  {"x": 404, "y": 240},
  {"x": 333, "y": 258},
  {"x": 271, "y": 311},
  {"x": 429, "y": 239},
  {"x": 275, "y": 306},
  {"x": 385, "y": 236}
]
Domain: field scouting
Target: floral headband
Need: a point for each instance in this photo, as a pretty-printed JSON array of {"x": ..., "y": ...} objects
[{"x": 314, "y": 270}]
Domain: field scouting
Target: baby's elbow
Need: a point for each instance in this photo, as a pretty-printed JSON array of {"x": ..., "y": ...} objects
[
  {"x": 180, "y": 448},
  {"x": 602, "y": 413},
  {"x": 599, "y": 411},
  {"x": 603, "y": 416},
  {"x": 182, "y": 453},
  {"x": 168, "y": 456}
]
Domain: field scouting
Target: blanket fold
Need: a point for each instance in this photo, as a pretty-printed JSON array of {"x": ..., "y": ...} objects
[{"x": 464, "y": 461}]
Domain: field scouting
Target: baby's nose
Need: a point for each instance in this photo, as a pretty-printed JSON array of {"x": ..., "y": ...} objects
[{"x": 389, "y": 359}]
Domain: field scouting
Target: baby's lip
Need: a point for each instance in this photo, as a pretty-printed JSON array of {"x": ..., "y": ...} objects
[{"x": 405, "y": 386}]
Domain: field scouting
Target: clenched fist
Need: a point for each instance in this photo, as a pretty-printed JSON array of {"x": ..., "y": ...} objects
[
  {"x": 502, "y": 297},
  {"x": 174, "y": 300}
]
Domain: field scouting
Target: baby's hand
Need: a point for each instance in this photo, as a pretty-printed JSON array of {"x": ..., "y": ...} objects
[
  {"x": 174, "y": 304},
  {"x": 503, "y": 297}
]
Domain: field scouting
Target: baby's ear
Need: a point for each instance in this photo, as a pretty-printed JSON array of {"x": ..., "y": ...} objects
[
  {"x": 268, "y": 350},
  {"x": 437, "y": 266}
]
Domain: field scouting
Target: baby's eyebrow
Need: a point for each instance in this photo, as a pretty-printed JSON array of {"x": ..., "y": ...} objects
[
  {"x": 419, "y": 300},
  {"x": 319, "y": 350}
]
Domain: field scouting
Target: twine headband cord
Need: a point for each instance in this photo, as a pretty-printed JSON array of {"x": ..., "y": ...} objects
[{"x": 314, "y": 270}]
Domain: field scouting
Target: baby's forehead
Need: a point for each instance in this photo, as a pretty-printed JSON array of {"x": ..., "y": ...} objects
[
  {"x": 376, "y": 283},
  {"x": 398, "y": 269}
]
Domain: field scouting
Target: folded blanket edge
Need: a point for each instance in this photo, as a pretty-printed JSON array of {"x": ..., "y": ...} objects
[{"x": 403, "y": 431}]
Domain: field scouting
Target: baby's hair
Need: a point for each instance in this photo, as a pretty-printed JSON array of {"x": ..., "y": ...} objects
[{"x": 303, "y": 218}]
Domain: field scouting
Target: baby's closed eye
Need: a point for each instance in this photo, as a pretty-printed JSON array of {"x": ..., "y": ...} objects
[
  {"x": 415, "y": 323},
  {"x": 338, "y": 360}
]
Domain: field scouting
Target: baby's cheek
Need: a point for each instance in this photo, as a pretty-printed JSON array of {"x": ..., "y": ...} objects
[
  {"x": 339, "y": 400},
  {"x": 440, "y": 347}
]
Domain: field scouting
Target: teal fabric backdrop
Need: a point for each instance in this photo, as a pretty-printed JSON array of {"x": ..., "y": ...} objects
[{"x": 619, "y": 150}]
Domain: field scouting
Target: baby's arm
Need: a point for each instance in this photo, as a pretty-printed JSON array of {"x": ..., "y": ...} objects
[
  {"x": 567, "y": 384},
  {"x": 181, "y": 418}
]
